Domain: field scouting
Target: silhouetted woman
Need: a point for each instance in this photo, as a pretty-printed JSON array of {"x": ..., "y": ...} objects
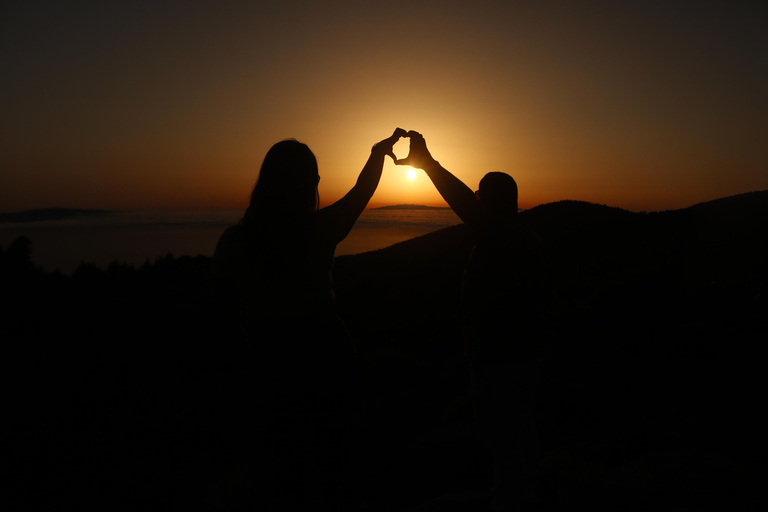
[{"x": 274, "y": 268}]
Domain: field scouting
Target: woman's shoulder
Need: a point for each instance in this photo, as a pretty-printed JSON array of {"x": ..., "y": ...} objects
[
  {"x": 327, "y": 224},
  {"x": 227, "y": 242},
  {"x": 228, "y": 236},
  {"x": 231, "y": 231}
]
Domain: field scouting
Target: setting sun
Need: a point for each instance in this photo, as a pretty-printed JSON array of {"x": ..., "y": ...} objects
[{"x": 411, "y": 174}]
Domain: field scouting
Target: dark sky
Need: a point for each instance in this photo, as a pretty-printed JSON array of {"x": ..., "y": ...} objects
[{"x": 643, "y": 105}]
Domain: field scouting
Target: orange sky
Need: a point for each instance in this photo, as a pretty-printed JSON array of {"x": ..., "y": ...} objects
[{"x": 119, "y": 105}]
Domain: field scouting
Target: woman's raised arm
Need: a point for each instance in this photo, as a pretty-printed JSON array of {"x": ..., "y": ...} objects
[{"x": 344, "y": 212}]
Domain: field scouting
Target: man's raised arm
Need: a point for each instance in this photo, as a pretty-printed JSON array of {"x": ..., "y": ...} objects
[{"x": 459, "y": 197}]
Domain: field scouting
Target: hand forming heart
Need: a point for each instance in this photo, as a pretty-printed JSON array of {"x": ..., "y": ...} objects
[
  {"x": 418, "y": 154},
  {"x": 386, "y": 145}
]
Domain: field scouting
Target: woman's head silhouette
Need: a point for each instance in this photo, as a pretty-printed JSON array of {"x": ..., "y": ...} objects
[{"x": 286, "y": 190}]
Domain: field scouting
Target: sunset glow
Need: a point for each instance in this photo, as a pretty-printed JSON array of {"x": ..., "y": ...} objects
[
  {"x": 645, "y": 108},
  {"x": 411, "y": 174}
]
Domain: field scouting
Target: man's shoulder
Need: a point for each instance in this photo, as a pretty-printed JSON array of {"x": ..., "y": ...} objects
[{"x": 508, "y": 234}]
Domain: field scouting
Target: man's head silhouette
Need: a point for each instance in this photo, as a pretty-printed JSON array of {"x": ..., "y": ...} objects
[{"x": 498, "y": 193}]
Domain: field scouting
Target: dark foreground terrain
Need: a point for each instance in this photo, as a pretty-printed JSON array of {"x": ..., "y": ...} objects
[{"x": 119, "y": 383}]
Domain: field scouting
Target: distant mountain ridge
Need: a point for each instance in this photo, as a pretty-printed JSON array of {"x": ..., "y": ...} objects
[
  {"x": 43, "y": 214},
  {"x": 410, "y": 207}
]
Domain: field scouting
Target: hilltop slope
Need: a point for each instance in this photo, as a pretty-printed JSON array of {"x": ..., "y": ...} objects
[{"x": 651, "y": 398}]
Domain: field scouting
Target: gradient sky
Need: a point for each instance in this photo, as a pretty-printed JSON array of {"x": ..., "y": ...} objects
[{"x": 173, "y": 104}]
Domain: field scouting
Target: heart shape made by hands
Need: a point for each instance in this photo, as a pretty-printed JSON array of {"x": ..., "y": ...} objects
[{"x": 402, "y": 149}]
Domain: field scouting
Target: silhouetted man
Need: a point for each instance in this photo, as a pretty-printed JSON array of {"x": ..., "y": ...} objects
[{"x": 503, "y": 327}]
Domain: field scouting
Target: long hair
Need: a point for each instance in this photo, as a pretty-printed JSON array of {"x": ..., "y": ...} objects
[{"x": 285, "y": 194}]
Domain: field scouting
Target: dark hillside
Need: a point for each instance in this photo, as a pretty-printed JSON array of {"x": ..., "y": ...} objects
[
  {"x": 739, "y": 207},
  {"x": 126, "y": 389},
  {"x": 646, "y": 308},
  {"x": 401, "y": 284}
]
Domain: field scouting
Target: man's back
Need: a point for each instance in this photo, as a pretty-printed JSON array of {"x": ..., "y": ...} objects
[{"x": 503, "y": 296}]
